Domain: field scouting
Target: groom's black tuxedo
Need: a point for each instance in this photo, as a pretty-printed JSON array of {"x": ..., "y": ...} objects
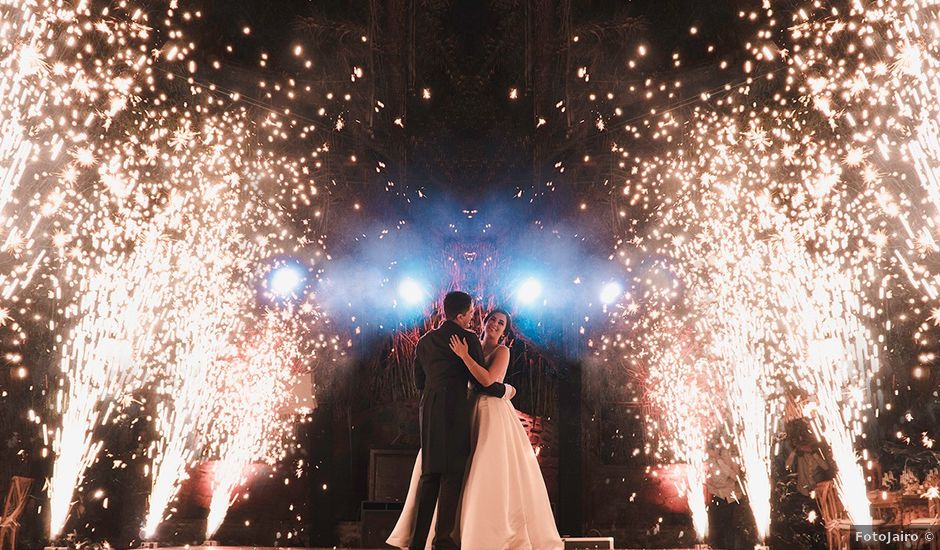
[
  {"x": 445, "y": 429},
  {"x": 445, "y": 409}
]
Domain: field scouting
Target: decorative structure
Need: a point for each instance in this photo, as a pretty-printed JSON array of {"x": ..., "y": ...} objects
[{"x": 12, "y": 509}]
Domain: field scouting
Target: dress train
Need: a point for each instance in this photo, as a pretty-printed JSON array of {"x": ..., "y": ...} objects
[{"x": 505, "y": 504}]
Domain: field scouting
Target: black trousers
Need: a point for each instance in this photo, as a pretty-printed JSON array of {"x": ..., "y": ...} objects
[
  {"x": 441, "y": 491},
  {"x": 730, "y": 525},
  {"x": 722, "y": 527}
]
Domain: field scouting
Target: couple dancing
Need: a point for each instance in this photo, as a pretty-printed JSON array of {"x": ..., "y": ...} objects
[{"x": 476, "y": 478}]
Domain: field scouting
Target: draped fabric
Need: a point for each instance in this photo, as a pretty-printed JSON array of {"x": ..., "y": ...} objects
[{"x": 505, "y": 503}]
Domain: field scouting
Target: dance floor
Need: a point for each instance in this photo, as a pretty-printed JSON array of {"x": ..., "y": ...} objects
[
  {"x": 294, "y": 548},
  {"x": 200, "y": 547}
]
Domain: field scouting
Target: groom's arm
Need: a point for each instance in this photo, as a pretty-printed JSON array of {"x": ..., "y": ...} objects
[{"x": 496, "y": 389}]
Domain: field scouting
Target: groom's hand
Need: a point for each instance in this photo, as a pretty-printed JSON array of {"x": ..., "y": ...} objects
[{"x": 510, "y": 392}]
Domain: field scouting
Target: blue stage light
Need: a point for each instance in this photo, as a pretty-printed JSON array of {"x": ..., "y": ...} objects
[
  {"x": 529, "y": 291},
  {"x": 611, "y": 292},
  {"x": 411, "y": 292},
  {"x": 287, "y": 280}
]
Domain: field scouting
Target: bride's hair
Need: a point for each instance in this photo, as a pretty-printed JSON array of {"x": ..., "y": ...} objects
[{"x": 508, "y": 334}]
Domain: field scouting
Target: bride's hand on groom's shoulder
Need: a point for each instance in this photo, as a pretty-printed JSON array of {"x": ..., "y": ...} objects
[{"x": 459, "y": 346}]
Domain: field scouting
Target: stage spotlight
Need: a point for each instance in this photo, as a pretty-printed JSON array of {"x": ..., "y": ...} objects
[
  {"x": 411, "y": 292},
  {"x": 529, "y": 291},
  {"x": 611, "y": 292},
  {"x": 287, "y": 280}
]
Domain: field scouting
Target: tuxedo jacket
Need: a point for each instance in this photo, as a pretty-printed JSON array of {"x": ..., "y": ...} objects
[{"x": 444, "y": 413}]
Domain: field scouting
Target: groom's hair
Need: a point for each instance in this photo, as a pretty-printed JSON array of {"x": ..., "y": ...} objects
[{"x": 455, "y": 303}]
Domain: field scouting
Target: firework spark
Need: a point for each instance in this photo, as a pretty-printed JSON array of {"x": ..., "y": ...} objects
[{"x": 52, "y": 95}]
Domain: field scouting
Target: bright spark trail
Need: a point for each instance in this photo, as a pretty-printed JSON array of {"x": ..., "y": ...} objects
[
  {"x": 680, "y": 387},
  {"x": 24, "y": 94},
  {"x": 52, "y": 96},
  {"x": 221, "y": 233}
]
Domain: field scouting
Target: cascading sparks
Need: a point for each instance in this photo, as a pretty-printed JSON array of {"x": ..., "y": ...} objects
[
  {"x": 164, "y": 217},
  {"x": 842, "y": 196},
  {"x": 53, "y": 98},
  {"x": 760, "y": 244}
]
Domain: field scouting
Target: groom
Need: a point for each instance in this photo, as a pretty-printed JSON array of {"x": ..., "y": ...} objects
[{"x": 445, "y": 420}]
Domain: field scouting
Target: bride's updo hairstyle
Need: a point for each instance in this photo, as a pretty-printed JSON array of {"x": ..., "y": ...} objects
[{"x": 508, "y": 334}]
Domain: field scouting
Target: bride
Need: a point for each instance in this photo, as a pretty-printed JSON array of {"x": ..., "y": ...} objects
[{"x": 504, "y": 504}]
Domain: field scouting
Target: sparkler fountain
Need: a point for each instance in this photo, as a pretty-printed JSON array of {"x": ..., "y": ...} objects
[
  {"x": 681, "y": 395},
  {"x": 872, "y": 71},
  {"x": 202, "y": 337},
  {"x": 133, "y": 292},
  {"x": 251, "y": 404},
  {"x": 40, "y": 75},
  {"x": 226, "y": 233},
  {"x": 755, "y": 290},
  {"x": 177, "y": 231},
  {"x": 812, "y": 185},
  {"x": 735, "y": 320},
  {"x": 160, "y": 248}
]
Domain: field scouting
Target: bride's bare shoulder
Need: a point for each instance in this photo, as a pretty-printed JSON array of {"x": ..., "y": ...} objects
[
  {"x": 498, "y": 352},
  {"x": 501, "y": 351}
]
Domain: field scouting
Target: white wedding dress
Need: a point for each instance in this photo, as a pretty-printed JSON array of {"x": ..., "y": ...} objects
[{"x": 504, "y": 505}]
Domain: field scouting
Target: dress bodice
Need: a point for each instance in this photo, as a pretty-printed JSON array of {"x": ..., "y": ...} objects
[{"x": 488, "y": 359}]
